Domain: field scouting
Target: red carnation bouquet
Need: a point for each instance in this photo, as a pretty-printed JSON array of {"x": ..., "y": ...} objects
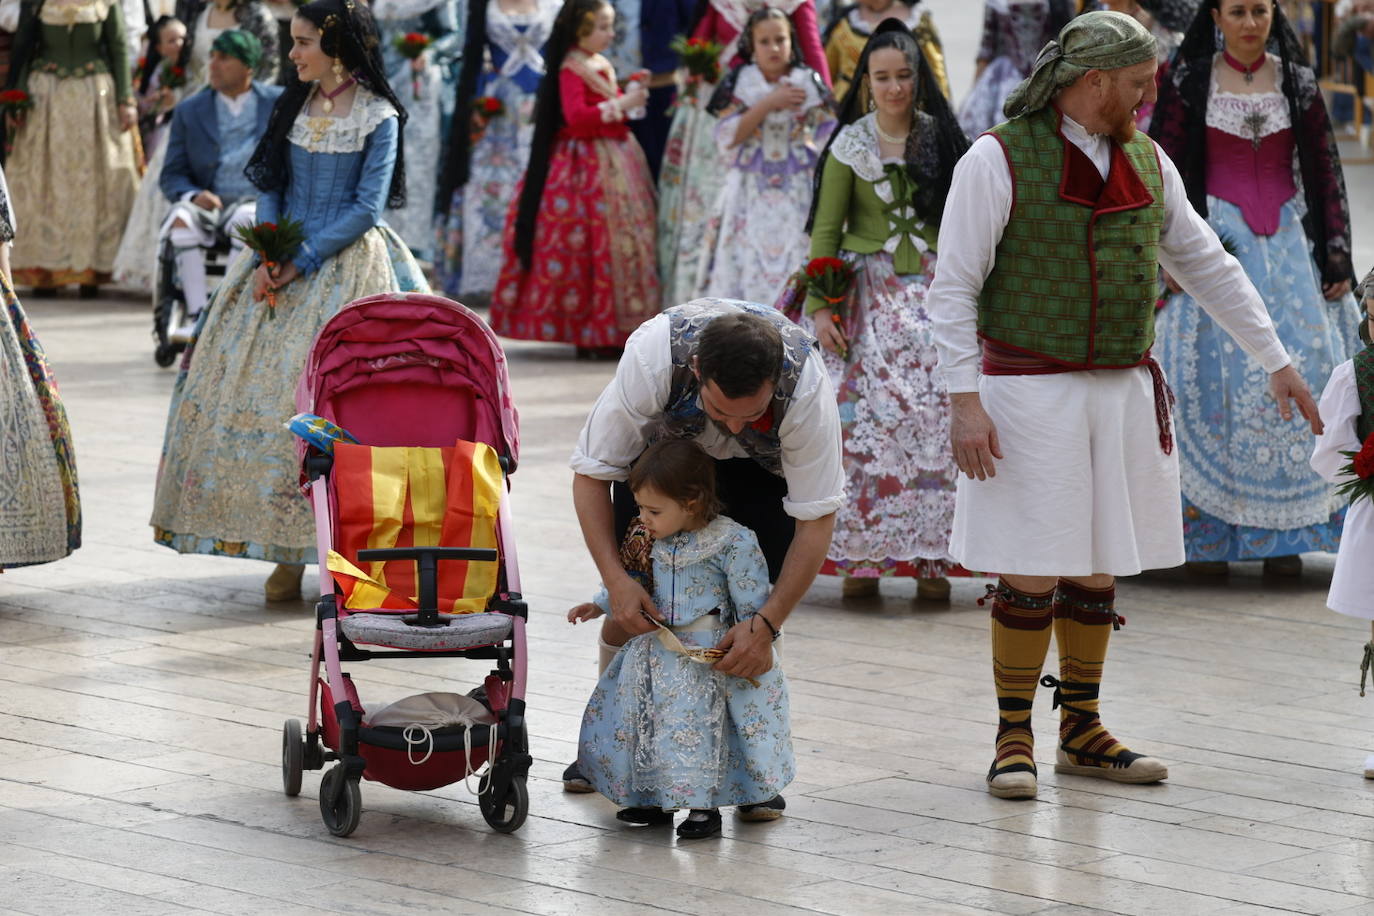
[
  {"x": 15, "y": 101},
  {"x": 13, "y": 104},
  {"x": 1359, "y": 483},
  {"x": 700, "y": 57},
  {"x": 484, "y": 108},
  {"x": 830, "y": 279},
  {"x": 277, "y": 243},
  {"x": 411, "y": 45},
  {"x": 171, "y": 76}
]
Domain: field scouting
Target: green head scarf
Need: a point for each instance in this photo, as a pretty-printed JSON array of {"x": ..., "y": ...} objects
[
  {"x": 1093, "y": 41},
  {"x": 240, "y": 44}
]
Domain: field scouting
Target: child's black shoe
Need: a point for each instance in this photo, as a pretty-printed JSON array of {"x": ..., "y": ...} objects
[
  {"x": 700, "y": 824},
  {"x": 644, "y": 816}
]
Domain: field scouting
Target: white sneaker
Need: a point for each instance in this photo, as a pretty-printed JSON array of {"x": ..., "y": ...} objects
[{"x": 183, "y": 334}]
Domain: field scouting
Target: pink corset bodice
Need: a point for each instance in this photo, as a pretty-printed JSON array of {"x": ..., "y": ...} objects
[
  {"x": 1258, "y": 179},
  {"x": 1250, "y": 147}
]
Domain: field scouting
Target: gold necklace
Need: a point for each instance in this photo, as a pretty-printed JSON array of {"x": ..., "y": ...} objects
[{"x": 883, "y": 135}]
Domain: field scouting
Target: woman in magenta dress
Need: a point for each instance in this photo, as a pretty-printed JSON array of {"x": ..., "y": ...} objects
[{"x": 579, "y": 249}]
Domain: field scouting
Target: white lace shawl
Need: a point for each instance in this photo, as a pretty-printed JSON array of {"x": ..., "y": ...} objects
[
  {"x": 77, "y": 13},
  {"x": 856, "y": 146},
  {"x": 521, "y": 46},
  {"x": 687, "y": 548},
  {"x": 1237, "y": 113},
  {"x": 341, "y": 135}
]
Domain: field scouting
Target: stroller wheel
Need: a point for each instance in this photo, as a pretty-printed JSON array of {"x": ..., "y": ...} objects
[
  {"x": 165, "y": 355},
  {"x": 507, "y": 814},
  {"x": 292, "y": 757},
  {"x": 341, "y": 803}
]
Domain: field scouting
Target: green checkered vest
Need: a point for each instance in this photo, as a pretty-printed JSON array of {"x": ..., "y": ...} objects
[
  {"x": 1075, "y": 279},
  {"x": 1364, "y": 386}
]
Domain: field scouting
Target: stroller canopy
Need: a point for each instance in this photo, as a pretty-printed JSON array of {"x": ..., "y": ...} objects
[{"x": 410, "y": 369}]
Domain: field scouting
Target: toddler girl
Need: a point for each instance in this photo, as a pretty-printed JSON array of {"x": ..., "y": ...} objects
[{"x": 663, "y": 730}]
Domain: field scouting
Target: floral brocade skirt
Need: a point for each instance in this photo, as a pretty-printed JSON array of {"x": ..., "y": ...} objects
[
  {"x": 663, "y": 731},
  {"x": 688, "y": 184},
  {"x": 72, "y": 179},
  {"x": 229, "y": 480},
  {"x": 470, "y": 260},
  {"x": 1248, "y": 490},
  {"x": 899, "y": 467},
  {"x": 592, "y": 277},
  {"x": 40, "y": 506},
  {"x": 135, "y": 262}
]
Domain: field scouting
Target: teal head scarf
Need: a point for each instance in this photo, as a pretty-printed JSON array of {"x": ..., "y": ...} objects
[
  {"x": 1093, "y": 41},
  {"x": 240, "y": 44}
]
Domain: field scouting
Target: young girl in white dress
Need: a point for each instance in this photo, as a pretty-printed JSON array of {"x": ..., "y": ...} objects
[{"x": 775, "y": 117}]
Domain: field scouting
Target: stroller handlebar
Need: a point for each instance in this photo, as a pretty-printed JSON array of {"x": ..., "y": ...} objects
[{"x": 382, "y": 554}]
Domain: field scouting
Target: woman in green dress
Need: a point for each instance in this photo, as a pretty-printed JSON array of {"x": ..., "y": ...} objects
[
  {"x": 881, "y": 187},
  {"x": 72, "y": 170}
]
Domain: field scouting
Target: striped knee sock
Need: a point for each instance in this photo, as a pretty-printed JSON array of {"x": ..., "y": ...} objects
[
  {"x": 1083, "y": 622},
  {"x": 1020, "y": 639}
]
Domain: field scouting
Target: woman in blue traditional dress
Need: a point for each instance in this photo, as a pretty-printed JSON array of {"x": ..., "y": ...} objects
[
  {"x": 481, "y": 174},
  {"x": 41, "y": 521},
  {"x": 1246, "y": 124},
  {"x": 332, "y": 160},
  {"x": 426, "y": 86}
]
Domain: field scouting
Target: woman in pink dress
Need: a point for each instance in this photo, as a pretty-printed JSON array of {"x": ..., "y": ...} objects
[{"x": 579, "y": 264}]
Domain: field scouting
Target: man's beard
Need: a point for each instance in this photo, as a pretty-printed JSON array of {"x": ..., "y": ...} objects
[{"x": 1120, "y": 120}]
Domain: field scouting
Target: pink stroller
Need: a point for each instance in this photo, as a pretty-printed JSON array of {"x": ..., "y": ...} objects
[{"x": 408, "y": 436}]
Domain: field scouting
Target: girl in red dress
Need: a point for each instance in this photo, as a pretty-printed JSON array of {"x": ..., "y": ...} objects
[{"x": 579, "y": 249}]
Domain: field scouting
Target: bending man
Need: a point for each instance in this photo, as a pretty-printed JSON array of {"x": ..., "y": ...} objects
[{"x": 743, "y": 381}]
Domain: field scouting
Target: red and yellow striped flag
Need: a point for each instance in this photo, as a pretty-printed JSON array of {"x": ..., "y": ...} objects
[{"x": 407, "y": 497}]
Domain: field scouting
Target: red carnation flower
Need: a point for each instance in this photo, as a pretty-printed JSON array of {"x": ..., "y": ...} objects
[
  {"x": 272, "y": 227},
  {"x": 491, "y": 105},
  {"x": 1364, "y": 460}
]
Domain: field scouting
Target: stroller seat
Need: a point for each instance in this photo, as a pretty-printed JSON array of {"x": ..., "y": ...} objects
[{"x": 398, "y": 631}]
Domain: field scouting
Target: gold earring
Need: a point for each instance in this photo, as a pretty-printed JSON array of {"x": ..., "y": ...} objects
[{"x": 338, "y": 69}]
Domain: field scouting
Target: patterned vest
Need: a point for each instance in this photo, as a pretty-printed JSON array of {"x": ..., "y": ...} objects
[
  {"x": 1075, "y": 282},
  {"x": 1364, "y": 385},
  {"x": 684, "y": 418}
]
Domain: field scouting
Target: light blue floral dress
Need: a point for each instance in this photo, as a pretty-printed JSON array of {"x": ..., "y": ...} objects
[
  {"x": 1249, "y": 492},
  {"x": 662, "y": 730},
  {"x": 229, "y": 479}
]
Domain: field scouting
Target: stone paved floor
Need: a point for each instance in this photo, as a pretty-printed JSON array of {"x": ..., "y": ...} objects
[{"x": 142, "y": 694}]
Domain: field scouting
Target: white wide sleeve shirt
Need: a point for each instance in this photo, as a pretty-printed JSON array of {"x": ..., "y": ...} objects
[
  {"x": 977, "y": 211},
  {"x": 615, "y": 432}
]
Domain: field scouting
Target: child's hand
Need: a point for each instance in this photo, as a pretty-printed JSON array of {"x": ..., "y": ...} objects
[
  {"x": 584, "y": 612},
  {"x": 787, "y": 96}
]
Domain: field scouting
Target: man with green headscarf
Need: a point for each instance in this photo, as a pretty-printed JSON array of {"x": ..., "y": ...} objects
[
  {"x": 1043, "y": 304},
  {"x": 213, "y": 136}
]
